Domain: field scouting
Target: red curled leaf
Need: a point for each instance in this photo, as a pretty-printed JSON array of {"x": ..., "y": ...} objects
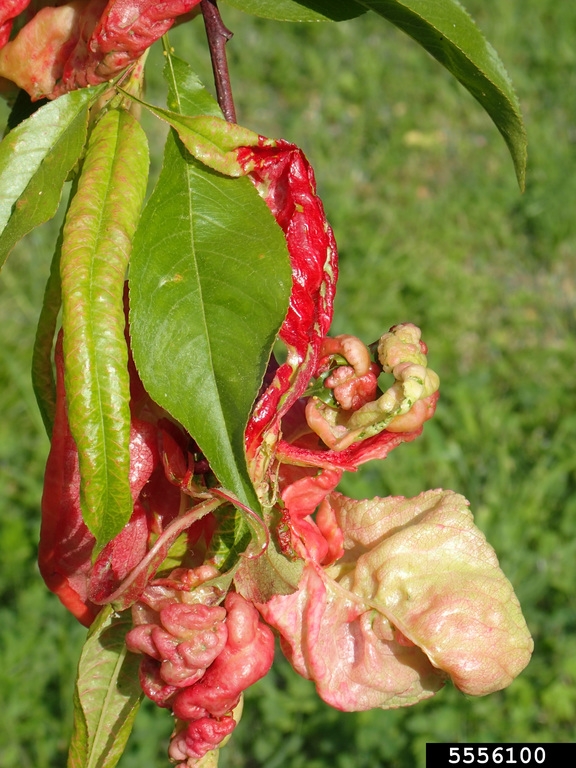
[
  {"x": 247, "y": 656},
  {"x": 119, "y": 556},
  {"x": 185, "y": 640},
  {"x": 376, "y": 447},
  {"x": 118, "y": 37},
  {"x": 200, "y": 737},
  {"x": 285, "y": 180},
  {"x": 301, "y": 499},
  {"x": 34, "y": 59},
  {"x": 136, "y": 581},
  {"x": 66, "y": 544},
  {"x": 81, "y": 43},
  {"x": 9, "y": 9}
]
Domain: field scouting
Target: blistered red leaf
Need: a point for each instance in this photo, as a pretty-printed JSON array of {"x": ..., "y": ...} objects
[
  {"x": 114, "y": 35},
  {"x": 66, "y": 544},
  {"x": 83, "y": 42},
  {"x": 35, "y": 58},
  {"x": 286, "y": 182},
  {"x": 9, "y": 9},
  {"x": 199, "y": 737},
  {"x": 246, "y": 658},
  {"x": 351, "y": 391},
  {"x": 185, "y": 638},
  {"x": 375, "y": 447},
  {"x": 119, "y": 557},
  {"x": 300, "y": 501}
]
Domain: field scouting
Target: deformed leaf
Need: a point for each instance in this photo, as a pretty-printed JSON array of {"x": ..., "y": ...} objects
[
  {"x": 35, "y": 159},
  {"x": 417, "y": 595},
  {"x": 302, "y": 10},
  {"x": 107, "y": 694},
  {"x": 98, "y": 232},
  {"x": 331, "y": 636},
  {"x": 445, "y": 30},
  {"x": 424, "y": 565}
]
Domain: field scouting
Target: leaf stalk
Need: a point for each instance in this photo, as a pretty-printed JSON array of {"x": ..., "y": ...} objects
[{"x": 218, "y": 35}]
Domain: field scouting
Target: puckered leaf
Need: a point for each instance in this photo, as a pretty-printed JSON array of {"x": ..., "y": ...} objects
[
  {"x": 285, "y": 179},
  {"x": 417, "y": 595},
  {"x": 107, "y": 694},
  {"x": 424, "y": 565},
  {"x": 96, "y": 247},
  {"x": 350, "y": 651},
  {"x": 35, "y": 159},
  {"x": 404, "y": 407},
  {"x": 209, "y": 287},
  {"x": 445, "y": 30},
  {"x": 305, "y": 10}
]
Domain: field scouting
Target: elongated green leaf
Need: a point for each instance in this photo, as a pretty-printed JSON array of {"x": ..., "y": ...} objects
[
  {"x": 42, "y": 372},
  {"x": 445, "y": 30},
  {"x": 209, "y": 287},
  {"x": 97, "y": 242},
  {"x": 35, "y": 159},
  {"x": 107, "y": 694},
  {"x": 306, "y": 10}
]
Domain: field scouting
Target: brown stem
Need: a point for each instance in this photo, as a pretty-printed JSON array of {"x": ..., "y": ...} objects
[{"x": 218, "y": 35}]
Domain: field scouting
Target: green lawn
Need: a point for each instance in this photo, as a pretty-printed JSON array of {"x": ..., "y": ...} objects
[{"x": 432, "y": 229}]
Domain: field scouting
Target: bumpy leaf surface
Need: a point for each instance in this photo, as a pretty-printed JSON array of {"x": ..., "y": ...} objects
[
  {"x": 96, "y": 247},
  {"x": 107, "y": 694},
  {"x": 351, "y": 652},
  {"x": 417, "y": 595},
  {"x": 423, "y": 564},
  {"x": 445, "y": 30}
]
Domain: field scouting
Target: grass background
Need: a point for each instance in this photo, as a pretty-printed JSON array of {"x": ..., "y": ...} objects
[{"x": 431, "y": 228}]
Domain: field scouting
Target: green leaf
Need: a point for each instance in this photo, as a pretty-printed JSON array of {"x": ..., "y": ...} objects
[
  {"x": 98, "y": 232},
  {"x": 209, "y": 286},
  {"x": 306, "y": 10},
  {"x": 187, "y": 94},
  {"x": 230, "y": 539},
  {"x": 445, "y": 30},
  {"x": 107, "y": 694},
  {"x": 35, "y": 159},
  {"x": 211, "y": 140},
  {"x": 43, "y": 380}
]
